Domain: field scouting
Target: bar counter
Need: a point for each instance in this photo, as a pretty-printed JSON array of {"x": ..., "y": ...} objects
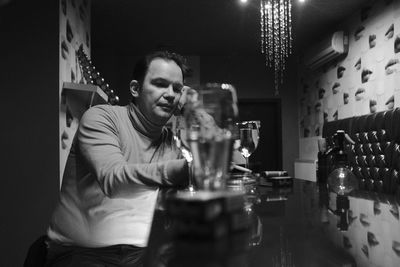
[{"x": 290, "y": 226}]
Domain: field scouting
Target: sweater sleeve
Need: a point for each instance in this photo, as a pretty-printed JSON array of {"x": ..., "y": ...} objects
[{"x": 100, "y": 147}]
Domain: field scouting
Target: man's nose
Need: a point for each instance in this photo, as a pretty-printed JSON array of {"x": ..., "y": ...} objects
[{"x": 170, "y": 92}]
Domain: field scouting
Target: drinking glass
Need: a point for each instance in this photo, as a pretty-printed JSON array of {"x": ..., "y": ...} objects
[
  {"x": 179, "y": 137},
  {"x": 256, "y": 227},
  {"x": 211, "y": 112},
  {"x": 249, "y": 132}
]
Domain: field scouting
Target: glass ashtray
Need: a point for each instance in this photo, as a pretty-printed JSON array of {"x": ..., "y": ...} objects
[{"x": 241, "y": 179}]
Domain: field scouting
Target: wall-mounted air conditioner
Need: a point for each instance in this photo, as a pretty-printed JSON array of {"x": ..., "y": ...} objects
[{"x": 335, "y": 45}]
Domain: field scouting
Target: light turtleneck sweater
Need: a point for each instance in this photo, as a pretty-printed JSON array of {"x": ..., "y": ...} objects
[{"x": 109, "y": 190}]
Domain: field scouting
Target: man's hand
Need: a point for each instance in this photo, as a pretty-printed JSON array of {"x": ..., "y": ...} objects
[
  {"x": 185, "y": 93},
  {"x": 182, "y": 100}
]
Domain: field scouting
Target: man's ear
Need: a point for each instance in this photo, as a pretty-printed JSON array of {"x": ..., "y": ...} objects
[{"x": 134, "y": 88}]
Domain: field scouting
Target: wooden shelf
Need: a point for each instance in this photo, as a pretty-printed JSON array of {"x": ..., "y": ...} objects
[
  {"x": 80, "y": 97},
  {"x": 89, "y": 93}
]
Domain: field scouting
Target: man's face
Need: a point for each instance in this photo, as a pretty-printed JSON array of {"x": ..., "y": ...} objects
[{"x": 161, "y": 89}]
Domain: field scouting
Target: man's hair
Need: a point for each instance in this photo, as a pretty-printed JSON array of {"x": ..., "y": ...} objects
[{"x": 142, "y": 65}]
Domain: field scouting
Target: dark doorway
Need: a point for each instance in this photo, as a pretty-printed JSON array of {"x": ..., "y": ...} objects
[{"x": 268, "y": 155}]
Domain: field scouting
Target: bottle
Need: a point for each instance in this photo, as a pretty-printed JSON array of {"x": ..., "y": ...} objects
[{"x": 341, "y": 180}]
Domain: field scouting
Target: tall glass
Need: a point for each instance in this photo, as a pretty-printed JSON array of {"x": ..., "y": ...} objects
[
  {"x": 211, "y": 112},
  {"x": 179, "y": 131}
]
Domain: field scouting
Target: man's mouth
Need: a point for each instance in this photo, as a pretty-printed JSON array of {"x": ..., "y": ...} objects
[{"x": 166, "y": 107}]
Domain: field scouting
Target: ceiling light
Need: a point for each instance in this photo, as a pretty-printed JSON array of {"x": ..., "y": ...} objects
[{"x": 276, "y": 35}]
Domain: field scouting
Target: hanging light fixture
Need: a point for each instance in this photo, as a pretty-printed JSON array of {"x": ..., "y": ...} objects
[{"x": 276, "y": 35}]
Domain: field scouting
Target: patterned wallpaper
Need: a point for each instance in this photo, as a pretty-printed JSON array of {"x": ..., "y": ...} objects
[
  {"x": 74, "y": 31},
  {"x": 373, "y": 236},
  {"x": 364, "y": 81}
]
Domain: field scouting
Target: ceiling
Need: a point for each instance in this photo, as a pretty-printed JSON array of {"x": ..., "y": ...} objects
[{"x": 205, "y": 27}]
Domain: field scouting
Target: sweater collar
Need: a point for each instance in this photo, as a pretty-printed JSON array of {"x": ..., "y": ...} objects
[{"x": 142, "y": 124}]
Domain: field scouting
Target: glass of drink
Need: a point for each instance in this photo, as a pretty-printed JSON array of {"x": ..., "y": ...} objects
[
  {"x": 249, "y": 132},
  {"x": 211, "y": 112},
  {"x": 179, "y": 131}
]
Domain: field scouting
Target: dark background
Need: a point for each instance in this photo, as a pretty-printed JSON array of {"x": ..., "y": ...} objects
[{"x": 29, "y": 143}]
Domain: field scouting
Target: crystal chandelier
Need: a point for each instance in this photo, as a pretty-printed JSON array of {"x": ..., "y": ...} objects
[{"x": 276, "y": 35}]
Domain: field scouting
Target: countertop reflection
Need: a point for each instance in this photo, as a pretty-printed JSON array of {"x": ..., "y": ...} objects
[{"x": 290, "y": 226}]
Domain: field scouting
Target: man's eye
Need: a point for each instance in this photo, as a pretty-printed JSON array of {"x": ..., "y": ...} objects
[
  {"x": 161, "y": 84},
  {"x": 177, "y": 88}
]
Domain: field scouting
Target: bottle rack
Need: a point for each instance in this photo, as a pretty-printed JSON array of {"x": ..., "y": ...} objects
[{"x": 93, "y": 76}]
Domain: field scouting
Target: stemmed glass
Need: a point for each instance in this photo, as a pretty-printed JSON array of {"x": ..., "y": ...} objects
[
  {"x": 210, "y": 113},
  {"x": 249, "y": 132},
  {"x": 179, "y": 137}
]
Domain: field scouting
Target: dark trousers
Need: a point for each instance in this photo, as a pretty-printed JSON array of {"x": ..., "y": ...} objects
[{"x": 118, "y": 255}]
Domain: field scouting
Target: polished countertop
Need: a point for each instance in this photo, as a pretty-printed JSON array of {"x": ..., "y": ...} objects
[{"x": 289, "y": 226}]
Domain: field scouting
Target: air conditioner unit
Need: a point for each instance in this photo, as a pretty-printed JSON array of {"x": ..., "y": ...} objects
[{"x": 332, "y": 47}]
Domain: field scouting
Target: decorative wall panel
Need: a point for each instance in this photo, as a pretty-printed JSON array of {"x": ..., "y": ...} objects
[
  {"x": 366, "y": 80},
  {"x": 74, "y": 31}
]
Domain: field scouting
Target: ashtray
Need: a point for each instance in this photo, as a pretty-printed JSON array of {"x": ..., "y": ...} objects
[{"x": 238, "y": 179}]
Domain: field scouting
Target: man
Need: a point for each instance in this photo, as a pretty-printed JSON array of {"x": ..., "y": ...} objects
[{"x": 120, "y": 156}]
